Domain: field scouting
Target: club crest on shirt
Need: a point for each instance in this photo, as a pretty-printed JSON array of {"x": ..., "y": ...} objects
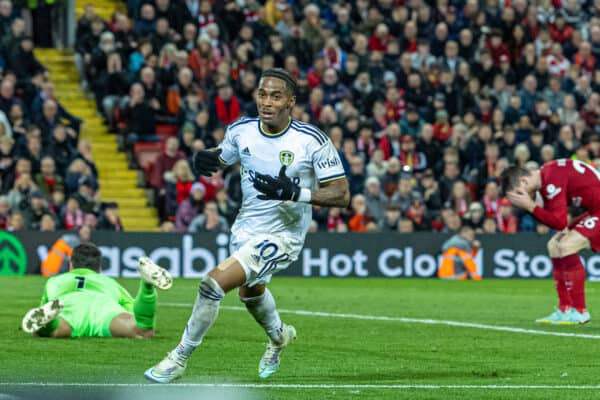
[{"x": 286, "y": 157}]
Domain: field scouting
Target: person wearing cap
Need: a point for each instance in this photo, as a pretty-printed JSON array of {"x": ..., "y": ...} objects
[
  {"x": 375, "y": 198},
  {"x": 189, "y": 208},
  {"x": 411, "y": 122},
  {"x": 458, "y": 256},
  {"x": 474, "y": 217}
]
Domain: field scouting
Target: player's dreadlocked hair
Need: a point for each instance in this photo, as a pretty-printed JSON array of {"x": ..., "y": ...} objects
[
  {"x": 86, "y": 255},
  {"x": 282, "y": 74},
  {"x": 510, "y": 177}
]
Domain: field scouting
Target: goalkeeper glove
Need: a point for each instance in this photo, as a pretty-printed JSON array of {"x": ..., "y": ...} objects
[
  {"x": 278, "y": 187},
  {"x": 206, "y": 162}
]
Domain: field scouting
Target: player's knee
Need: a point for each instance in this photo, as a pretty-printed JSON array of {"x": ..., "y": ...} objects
[
  {"x": 210, "y": 289},
  {"x": 246, "y": 293}
]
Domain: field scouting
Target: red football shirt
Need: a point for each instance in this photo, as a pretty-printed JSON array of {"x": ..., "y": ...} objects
[{"x": 564, "y": 183}]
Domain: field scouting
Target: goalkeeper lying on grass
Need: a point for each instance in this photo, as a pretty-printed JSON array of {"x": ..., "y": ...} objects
[{"x": 82, "y": 302}]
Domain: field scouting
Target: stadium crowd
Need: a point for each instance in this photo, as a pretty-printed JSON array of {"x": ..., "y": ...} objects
[
  {"x": 48, "y": 179},
  {"x": 427, "y": 102}
]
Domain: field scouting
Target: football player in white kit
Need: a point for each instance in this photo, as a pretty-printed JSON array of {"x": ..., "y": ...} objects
[{"x": 287, "y": 165}]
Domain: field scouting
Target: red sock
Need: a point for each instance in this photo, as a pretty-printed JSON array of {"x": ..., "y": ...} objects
[
  {"x": 564, "y": 297},
  {"x": 574, "y": 279}
]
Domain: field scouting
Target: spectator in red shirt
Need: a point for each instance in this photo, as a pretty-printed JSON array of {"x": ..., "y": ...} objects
[
  {"x": 380, "y": 38},
  {"x": 560, "y": 31},
  {"x": 442, "y": 130},
  {"x": 584, "y": 57},
  {"x": 226, "y": 106},
  {"x": 496, "y": 47}
]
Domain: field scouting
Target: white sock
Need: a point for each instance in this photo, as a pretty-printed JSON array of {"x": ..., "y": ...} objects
[
  {"x": 264, "y": 312},
  {"x": 204, "y": 314}
]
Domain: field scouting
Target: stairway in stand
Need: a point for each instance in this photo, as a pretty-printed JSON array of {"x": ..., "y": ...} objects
[{"x": 117, "y": 182}]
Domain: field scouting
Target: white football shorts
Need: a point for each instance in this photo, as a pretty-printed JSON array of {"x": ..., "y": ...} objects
[{"x": 263, "y": 255}]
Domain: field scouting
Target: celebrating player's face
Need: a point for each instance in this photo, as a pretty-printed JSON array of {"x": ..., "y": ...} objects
[{"x": 274, "y": 102}]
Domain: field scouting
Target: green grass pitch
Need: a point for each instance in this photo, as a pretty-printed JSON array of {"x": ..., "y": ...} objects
[{"x": 334, "y": 357}]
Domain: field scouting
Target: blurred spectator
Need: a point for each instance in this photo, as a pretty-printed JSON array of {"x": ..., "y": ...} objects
[
  {"x": 375, "y": 199},
  {"x": 179, "y": 183},
  {"x": 16, "y": 222},
  {"x": 73, "y": 216},
  {"x": 85, "y": 195},
  {"x": 139, "y": 116},
  {"x": 190, "y": 207},
  {"x": 4, "y": 212},
  {"x": 209, "y": 221},
  {"x": 360, "y": 221},
  {"x": 35, "y": 210},
  {"x": 450, "y": 220},
  {"x": 167, "y": 226},
  {"x": 226, "y": 105},
  {"x": 402, "y": 197},
  {"x": 475, "y": 217},
  {"x": 377, "y": 167},
  {"x": 48, "y": 180},
  {"x": 418, "y": 214},
  {"x": 22, "y": 61},
  {"x": 110, "y": 219},
  {"x": 21, "y": 190},
  {"x": 409, "y": 156},
  {"x": 356, "y": 177},
  {"x": 507, "y": 221},
  {"x": 227, "y": 208},
  {"x": 47, "y": 223}
]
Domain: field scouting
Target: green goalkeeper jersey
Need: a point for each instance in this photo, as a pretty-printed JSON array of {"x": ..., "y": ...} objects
[{"x": 83, "y": 280}]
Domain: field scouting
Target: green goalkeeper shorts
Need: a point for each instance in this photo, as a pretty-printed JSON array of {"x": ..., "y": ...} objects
[{"x": 89, "y": 314}]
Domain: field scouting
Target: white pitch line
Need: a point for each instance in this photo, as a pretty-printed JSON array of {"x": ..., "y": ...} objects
[
  {"x": 298, "y": 386},
  {"x": 425, "y": 321}
]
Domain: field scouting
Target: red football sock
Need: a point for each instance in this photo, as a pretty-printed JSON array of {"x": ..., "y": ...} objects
[
  {"x": 574, "y": 279},
  {"x": 564, "y": 297}
]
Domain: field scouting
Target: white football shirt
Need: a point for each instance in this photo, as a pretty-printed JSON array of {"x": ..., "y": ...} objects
[{"x": 310, "y": 158}]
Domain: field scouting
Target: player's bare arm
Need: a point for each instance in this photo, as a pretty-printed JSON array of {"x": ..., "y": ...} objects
[{"x": 332, "y": 194}]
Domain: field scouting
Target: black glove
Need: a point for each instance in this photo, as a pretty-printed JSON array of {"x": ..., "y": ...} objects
[
  {"x": 276, "y": 187},
  {"x": 206, "y": 162}
]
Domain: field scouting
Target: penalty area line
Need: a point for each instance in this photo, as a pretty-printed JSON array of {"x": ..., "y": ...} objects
[
  {"x": 425, "y": 321},
  {"x": 297, "y": 386}
]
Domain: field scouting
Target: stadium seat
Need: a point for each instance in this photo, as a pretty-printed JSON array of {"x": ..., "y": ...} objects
[
  {"x": 166, "y": 131},
  {"x": 146, "y": 154}
]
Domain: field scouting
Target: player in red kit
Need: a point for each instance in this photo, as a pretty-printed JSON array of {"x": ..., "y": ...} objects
[{"x": 562, "y": 183}]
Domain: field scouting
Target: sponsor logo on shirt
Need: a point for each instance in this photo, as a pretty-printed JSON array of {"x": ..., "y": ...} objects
[
  {"x": 552, "y": 191},
  {"x": 332, "y": 162}
]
